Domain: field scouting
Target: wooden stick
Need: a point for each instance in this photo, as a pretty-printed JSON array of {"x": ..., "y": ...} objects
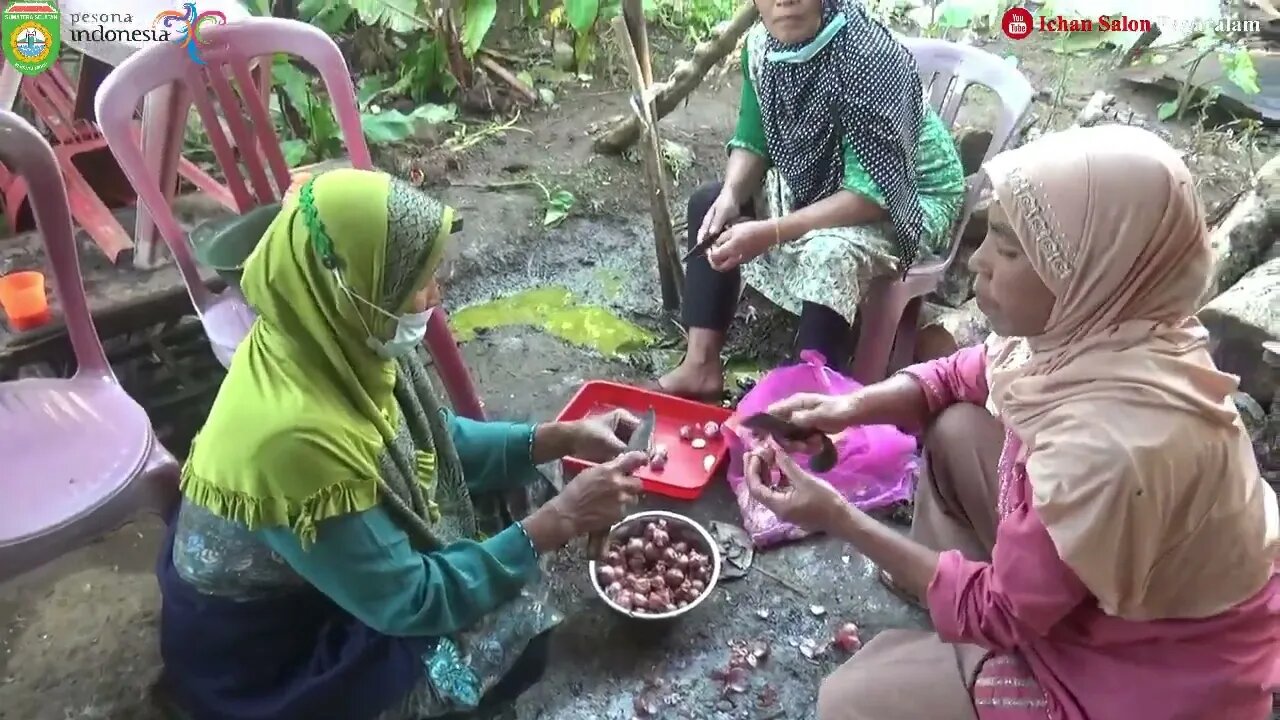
[
  {"x": 686, "y": 77},
  {"x": 503, "y": 74},
  {"x": 633, "y": 11},
  {"x": 670, "y": 271},
  {"x": 782, "y": 581}
]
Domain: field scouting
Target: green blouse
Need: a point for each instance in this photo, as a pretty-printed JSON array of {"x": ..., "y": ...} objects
[{"x": 939, "y": 174}]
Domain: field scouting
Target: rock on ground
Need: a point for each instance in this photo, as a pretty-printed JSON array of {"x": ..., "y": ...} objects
[
  {"x": 944, "y": 330},
  {"x": 1247, "y": 232},
  {"x": 1240, "y": 320}
]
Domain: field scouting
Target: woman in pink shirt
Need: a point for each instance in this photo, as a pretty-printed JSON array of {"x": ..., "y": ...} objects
[{"x": 1092, "y": 537}]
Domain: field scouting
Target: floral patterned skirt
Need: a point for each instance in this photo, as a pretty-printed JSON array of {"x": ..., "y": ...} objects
[
  {"x": 463, "y": 667},
  {"x": 833, "y": 266}
]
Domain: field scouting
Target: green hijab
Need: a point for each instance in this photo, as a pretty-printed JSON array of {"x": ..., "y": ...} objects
[{"x": 310, "y": 422}]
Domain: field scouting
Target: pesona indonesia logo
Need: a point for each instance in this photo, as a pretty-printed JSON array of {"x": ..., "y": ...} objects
[
  {"x": 32, "y": 35},
  {"x": 188, "y": 25},
  {"x": 110, "y": 27}
]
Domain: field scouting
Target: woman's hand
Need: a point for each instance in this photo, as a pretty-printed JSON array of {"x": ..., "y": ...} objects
[
  {"x": 597, "y": 439},
  {"x": 824, "y": 413},
  {"x": 602, "y": 438},
  {"x": 742, "y": 243},
  {"x": 723, "y": 211},
  {"x": 594, "y": 500},
  {"x": 804, "y": 500}
]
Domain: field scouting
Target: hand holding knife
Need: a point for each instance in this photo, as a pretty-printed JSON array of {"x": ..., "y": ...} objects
[
  {"x": 641, "y": 441},
  {"x": 782, "y": 430}
]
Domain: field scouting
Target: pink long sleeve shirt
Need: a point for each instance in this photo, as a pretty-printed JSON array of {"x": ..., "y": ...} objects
[{"x": 1027, "y": 604}]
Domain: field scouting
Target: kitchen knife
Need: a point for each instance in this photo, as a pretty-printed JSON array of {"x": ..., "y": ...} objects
[
  {"x": 780, "y": 429},
  {"x": 641, "y": 441}
]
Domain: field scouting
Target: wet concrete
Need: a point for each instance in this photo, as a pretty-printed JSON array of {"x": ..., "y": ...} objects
[
  {"x": 79, "y": 637},
  {"x": 602, "y": 661}
]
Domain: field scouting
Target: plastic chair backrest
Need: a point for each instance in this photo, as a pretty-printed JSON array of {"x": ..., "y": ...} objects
[
  {"x": 25, "y": 152},
  {"x": 225, "y": 81},
  {"x": 947, "y": 71}
]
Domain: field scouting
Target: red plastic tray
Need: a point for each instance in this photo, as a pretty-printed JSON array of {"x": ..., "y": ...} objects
[{"x": 684, "y": 476}]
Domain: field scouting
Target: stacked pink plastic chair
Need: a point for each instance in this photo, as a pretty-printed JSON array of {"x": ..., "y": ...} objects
[
  {"x": 891, "y": 309},
  {"x": 224, "y": 93},
  {"x": 78, "y": 456}
]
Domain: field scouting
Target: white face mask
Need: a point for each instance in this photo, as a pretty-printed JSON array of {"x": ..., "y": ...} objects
[{"x": 411, "y": 329}]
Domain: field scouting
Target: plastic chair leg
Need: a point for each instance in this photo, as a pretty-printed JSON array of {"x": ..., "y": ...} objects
[
  {"x": 904, "y": 342},
  {"x": 875, "y": 340},
  {"x": 93, "y": 215},
  {"x": 451, "y": 367},
  {"x": 157, "y": 147},
  {"x": 10, "y": 83}
]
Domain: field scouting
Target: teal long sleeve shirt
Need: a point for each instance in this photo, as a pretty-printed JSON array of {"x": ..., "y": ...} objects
[{"x": 366, "y": 565}]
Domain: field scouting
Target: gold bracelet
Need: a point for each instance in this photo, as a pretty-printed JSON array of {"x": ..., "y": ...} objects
[{"x": 777, "y": 231}]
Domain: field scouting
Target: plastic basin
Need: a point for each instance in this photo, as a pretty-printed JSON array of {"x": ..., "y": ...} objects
[{"x": 224, "y": 245}]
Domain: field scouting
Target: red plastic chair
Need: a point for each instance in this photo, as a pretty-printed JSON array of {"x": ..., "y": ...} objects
[
  {"x": 52, "y": 96},
  {"x": 256, "y": 176},
  {"x": 80, "y": 457},
  {"x": 891, "y": 309}
]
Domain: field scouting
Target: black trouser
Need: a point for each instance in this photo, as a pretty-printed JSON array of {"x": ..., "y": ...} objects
[{"x": 711, "y": 297}]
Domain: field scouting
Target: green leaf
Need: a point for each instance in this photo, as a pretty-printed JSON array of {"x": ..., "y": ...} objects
[
  {"x": 433, "y": 114},
  {"x": 308, "y": 10},
  {"x": 584, "y": 50},
  {"x": 1239, "y": 69},
  {"x": 477, "y": 18},
  {"x": 297, "y": 88},
  {"x": 533, "y": 8},
  {"x": 581, "y": 14},
  {"x": 1166, "y": 110},
  {"x": 328, "y": 15},
  {"x": 558, "y": 207},
  {"x": 295, "y": 151},
  {"x": 370, "y": 88},
  {"x": 396, "y": 15},
  {"x": 955, "y": 15},
  {"x": 387, "y": 126},
  {"x": 554, "y": 216}
]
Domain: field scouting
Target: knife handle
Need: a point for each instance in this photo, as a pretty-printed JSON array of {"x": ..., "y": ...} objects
[{"x": 596, "y": 545}]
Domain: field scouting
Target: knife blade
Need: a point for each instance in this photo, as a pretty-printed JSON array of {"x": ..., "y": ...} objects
[
  {"x": 642, "y": 437},
  {"x": 641, "y": 440}
]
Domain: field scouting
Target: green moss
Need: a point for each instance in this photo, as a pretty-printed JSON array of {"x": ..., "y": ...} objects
[{"x": 554, "y": 310}]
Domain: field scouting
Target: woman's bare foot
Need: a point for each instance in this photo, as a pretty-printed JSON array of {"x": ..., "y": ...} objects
[{"x": 694, "y": 380}]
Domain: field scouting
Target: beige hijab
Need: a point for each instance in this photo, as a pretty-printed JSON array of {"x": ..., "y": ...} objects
[{"x": 1139, "y": 464}]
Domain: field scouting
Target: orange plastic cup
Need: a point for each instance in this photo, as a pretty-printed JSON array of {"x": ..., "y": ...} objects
[{"x": 23, "y": 299}]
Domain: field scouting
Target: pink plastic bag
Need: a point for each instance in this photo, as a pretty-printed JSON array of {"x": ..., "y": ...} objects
[{"x": 876, "y": 464}]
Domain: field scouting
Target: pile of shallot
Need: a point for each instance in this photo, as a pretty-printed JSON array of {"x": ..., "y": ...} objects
[{"x": 650, "y": 573}]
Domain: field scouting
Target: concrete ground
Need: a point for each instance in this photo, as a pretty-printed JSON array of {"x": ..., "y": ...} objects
[{"x": 79, "y": 636}]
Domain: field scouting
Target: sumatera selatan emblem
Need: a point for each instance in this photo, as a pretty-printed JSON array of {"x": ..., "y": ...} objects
[{"x": 32, "y": 35}]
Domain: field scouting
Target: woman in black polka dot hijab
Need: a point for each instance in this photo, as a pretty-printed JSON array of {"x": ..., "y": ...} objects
[{"x": 838, "y": 172}]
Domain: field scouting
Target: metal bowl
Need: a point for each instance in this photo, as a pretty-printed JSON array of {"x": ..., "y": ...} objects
[{"x": 681, "y": 528}]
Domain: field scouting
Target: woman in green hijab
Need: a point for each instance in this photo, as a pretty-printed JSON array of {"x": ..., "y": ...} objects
[{"x": 329, "y": 559}]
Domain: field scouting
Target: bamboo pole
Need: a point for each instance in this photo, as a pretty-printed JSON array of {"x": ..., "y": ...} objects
[{"x": 670, "y": 271}]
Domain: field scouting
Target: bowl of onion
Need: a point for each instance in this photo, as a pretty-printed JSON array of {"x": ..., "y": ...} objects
[{"x": 657, "y": 565}]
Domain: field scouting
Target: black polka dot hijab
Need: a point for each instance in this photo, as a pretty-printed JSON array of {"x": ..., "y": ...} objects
[{"x": 854, "y": 82}]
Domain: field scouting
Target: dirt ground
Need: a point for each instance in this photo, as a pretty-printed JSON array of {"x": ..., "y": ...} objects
[{"x": 79, "y": 636}]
